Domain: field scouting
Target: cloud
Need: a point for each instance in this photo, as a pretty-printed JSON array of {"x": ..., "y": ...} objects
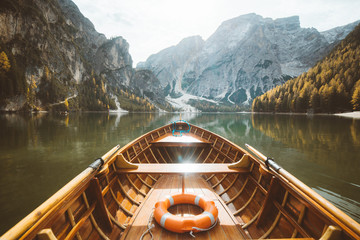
[{"x": 118, "y": 18}]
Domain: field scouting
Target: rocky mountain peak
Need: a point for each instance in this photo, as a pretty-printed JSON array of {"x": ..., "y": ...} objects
[
  {"x": 334, "y": 35},
  {"x": 58, "y": 54},
  {"x": 288, "y": 23},
  {"x": 113, "y": 55},
  {"x": 243, "y": 58},
  {"x": 166, "y": 63},
  {"x": 192, "y": 41}
]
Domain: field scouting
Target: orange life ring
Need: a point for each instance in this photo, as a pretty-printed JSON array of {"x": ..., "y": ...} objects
[{"x": 180, "y": 224}]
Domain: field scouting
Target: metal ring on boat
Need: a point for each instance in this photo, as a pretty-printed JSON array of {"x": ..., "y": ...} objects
[{"x": 180, "y": 224}]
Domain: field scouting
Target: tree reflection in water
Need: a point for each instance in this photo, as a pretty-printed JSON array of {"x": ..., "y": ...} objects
[{"x": 40, "y": 153}]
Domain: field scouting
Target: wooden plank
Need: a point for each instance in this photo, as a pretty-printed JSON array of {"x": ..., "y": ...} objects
[
  {"x": 137, "y": 227},
  {"x": 185, "y": 141},
  {"x": 291, "y": 220},
  {"x": 180, "y": 144},
  {"x": 272, "y": 193},
  {"x": 174, "y": 186},
  {"x": 223, "y": 154},
  {"x": 81, "y": 222},
  {"x": 169, "y": 158},
  {"x": 198, "y": 157},
  {"x": 161, "y": 156},
  {"x": 208, "y": 155},
  {"x": 92, "y": 219},
  {"x": 72, "y": 222},
  {"x": 290, "y": 238},
  {"x": 226, "y": 228},
  {"x": 193, "y": 187},
  {"x": 95, "y": 196},
  {"x": 177, "y": 168},
  {"x": 230, "y": 186},
  {"x": 153, "y": 155}
]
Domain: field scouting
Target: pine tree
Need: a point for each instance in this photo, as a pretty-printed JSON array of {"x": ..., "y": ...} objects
[
  {"x": 356, "y": 99},
  {"x": 315, "y": 100},
  {"x": 4, "y": 62},
  {"x": 31, "y": 92},
  {"x": 66, "y": 103},
  {"x": 333, "y": 78}
]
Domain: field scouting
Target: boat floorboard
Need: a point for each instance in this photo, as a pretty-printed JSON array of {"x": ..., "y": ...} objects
[{"x": 226, "y": 228}]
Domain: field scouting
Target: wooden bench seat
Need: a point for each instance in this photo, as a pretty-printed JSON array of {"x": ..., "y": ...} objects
[
  {"x": 179, "y": 168},
  {"x": 184, "y": 141},
  {"x": 226, "y": 228}
]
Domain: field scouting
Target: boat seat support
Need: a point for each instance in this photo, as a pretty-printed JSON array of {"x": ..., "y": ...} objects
[
  {"x": 244, "y": 162},
  {"x": 121, "y": 163},
  {"x": 94, "y": 195},
  {"x": 46, "y": 234},
  {"x": 332, "y": 233},
  {"x": 272, "y": 192}
]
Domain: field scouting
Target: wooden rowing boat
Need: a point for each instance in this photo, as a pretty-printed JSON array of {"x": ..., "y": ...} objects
[{"x": 114, "y": 197}]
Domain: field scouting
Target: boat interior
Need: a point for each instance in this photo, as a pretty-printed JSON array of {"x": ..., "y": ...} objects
[{"x": 117, "y": 201}]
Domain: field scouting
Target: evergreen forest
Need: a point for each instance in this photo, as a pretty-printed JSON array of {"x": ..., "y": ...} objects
[{"x": 331, "y": 86}]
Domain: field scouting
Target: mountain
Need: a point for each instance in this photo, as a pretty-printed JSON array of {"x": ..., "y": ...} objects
[
  {"x": 57, "y": 60},
  {"x": 168, "y": 64},
  {"x": 332, "y": 85},
  {"x": 52, "y": 58},
  {"x": 245, "y": 57}
]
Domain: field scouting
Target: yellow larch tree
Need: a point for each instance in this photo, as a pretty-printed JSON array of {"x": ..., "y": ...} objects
[{"x": 4, "y": 62}]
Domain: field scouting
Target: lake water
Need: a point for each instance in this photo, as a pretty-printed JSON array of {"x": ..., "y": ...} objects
[{"x": 40, "y": 153}]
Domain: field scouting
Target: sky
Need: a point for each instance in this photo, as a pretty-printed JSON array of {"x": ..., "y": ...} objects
[{"x": 152, "y": 25}]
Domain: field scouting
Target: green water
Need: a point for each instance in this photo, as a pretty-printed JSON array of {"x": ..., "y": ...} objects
[{"x": 40, "y": 153}]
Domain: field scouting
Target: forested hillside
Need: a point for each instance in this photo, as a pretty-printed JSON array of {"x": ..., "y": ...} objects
[
  {"x": 52, "y": 58},
  {"x": 332, "y": 85}
]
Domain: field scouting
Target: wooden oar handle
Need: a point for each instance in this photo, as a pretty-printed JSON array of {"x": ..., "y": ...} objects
[{"x": 83, "y": 178}]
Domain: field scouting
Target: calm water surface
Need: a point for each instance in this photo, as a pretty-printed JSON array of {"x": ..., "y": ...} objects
[{"x": 40, "y": 153}]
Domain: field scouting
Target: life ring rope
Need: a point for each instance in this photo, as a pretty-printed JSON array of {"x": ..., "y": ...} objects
[
  {"x": 202, "y": 222},
  {"x": 150, "y": 226},
  {"x": 202, "y": 229}
]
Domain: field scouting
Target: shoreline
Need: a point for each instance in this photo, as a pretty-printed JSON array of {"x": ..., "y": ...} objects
[{"x": 355, "y": 115}]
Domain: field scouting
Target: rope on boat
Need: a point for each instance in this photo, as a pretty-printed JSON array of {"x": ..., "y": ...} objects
[
  {"x": 180, "y": 131},
  {"x": 149, "y": 227},
  {"x": 203, "y": 229}
]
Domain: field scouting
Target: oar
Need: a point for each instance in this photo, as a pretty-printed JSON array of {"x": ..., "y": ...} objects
[
  {"x": 30, "y": 221},
  {"x": 345, "y": 220}
]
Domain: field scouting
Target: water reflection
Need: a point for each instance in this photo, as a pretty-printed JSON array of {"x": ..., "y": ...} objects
[
  {"x": 324, "y": 154},
  {"x": 332, "y": 142},
  {"x": 40, "y": 153}
]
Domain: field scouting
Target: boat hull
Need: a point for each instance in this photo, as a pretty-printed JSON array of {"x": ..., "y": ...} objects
[{"x": 114, "y": 199}]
